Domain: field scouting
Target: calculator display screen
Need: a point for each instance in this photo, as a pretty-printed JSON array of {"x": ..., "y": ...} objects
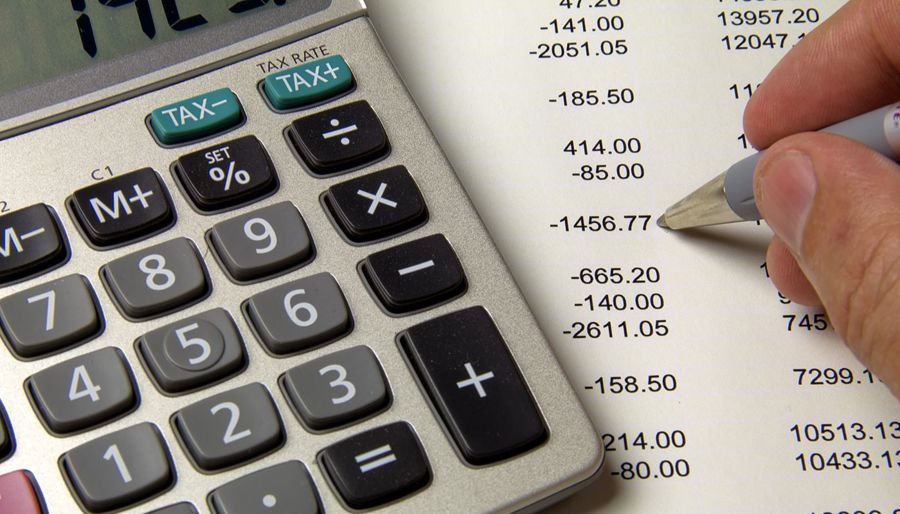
[{"x": 42, "y": 40}]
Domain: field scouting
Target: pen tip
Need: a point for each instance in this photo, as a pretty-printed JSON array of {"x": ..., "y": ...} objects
[{"x": 661, "y": 221}]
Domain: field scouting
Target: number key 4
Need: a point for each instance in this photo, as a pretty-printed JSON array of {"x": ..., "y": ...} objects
[{"x": 83, "y": 392}]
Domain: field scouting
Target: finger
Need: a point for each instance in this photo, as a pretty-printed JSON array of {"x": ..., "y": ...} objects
[
  {"x": 848, "y": 65},
  {"x": 787, "y": 276},
  {"x": 836, "y": 205}
]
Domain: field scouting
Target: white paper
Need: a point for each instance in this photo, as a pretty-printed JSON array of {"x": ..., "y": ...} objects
[{"x": 470, "y": 65}]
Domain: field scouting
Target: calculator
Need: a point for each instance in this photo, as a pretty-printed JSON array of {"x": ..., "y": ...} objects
[{"x": 238, "y": 275}]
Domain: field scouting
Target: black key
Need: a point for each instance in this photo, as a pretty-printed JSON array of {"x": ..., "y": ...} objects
[
  {"x": 31, "y": 242},
  {"x": 377, "y": 466},
  {"x": 178, "y": 508},
  {"x": 376, "y": 206},
  {"x": 468, "y": 373},
  {"x": 119, "y": 469},
  {"x": 339, "y": 139},
  {"x": 281, "y": 489},
  {"x": 227, "y": 175},
  {"x": 415, "y": 275},
  {"x": 124, "y": 208},
  {"x": 6, "y": 436}
]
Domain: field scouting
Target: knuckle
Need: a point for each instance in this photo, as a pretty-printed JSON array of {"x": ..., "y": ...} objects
[{"x": 873, "y": 300}]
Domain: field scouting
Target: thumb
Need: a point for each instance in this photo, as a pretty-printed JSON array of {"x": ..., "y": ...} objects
[{"x": 836, "y": 205}]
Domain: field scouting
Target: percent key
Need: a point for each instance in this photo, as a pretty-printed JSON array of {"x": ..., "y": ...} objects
[{"x": 227, "y": 175}]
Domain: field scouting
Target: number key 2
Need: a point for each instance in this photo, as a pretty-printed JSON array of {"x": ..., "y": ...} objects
[{"x": 229, "y": 428}]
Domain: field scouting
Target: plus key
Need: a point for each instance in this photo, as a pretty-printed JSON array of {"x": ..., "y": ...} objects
[{"x": 463, "y": 363}]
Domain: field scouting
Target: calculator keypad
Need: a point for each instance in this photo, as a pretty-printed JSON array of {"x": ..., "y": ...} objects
[
  {"x": 20, "y": 494},
  {"x": 123, "y": 209},
  {"x": 51, "y": 316},
  {"x": 262, "y": 243},
  {"x": 157, "y": 279},
  {"x": 378, "y": 205},
  {"x": 377, "y": 466},
  {"x": 464, "y": 366},
  {"x": 226, "y": 175},
  {"x": 338, "y": 388},
  {"x": 281, "y": 489},
  {"x": 300, "y": 314},
  {"x": 230, "y": 428},
  {"x": 83, "y": 392},
  {"x": 339, "y": 139},
  {"x": 119, "y": 469},
  {"x": 285, "y": 260},
  {"x": 193, "y": 352},
  {"x": 31, "y": 242}
]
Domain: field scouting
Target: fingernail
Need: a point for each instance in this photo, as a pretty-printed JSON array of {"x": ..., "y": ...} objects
[{"x": 787, "y": 189}]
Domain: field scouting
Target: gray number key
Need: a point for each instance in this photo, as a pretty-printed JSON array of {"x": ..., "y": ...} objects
[
  {"x": 157, "y": 279},
  {"x": 300, "y": 314},
  {"x": 282, "y": 489},
  {"x": 82, "y": 392},
  {"x": 193, "y": 352},
  {"x": 229, "y": 428},
  {"x": 50, "y": 316},
  {"x": 119, "y": 469},
  {"x": 261, "y": 243},
  {"x": 335, "y": 389}
]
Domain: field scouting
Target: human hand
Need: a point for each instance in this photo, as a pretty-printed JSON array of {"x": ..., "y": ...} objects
[{"x": 834, "y": 204}]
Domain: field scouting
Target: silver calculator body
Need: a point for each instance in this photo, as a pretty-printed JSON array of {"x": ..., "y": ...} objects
[{"x": 66, "y": 136}]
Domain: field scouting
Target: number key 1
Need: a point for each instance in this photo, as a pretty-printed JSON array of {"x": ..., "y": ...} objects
[{"x": 119, "y": 469}]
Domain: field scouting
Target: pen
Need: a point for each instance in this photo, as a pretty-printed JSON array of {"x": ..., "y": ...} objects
[{"x": 729, "y": 197}]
